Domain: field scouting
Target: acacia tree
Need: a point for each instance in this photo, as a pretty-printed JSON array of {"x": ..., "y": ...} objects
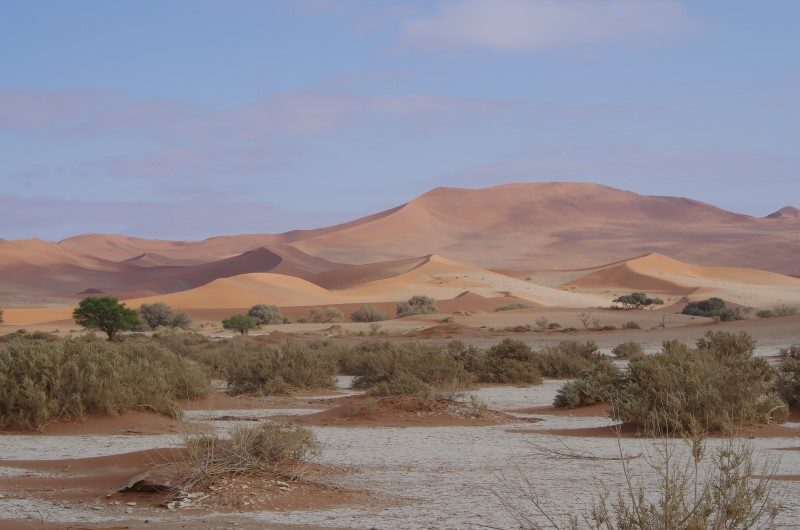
[
  {"x": 241, "y": 323},
  {"x": 105, "y": 313},
  {"x": 160, "y": 314},
  {"x": 637, "y": 301}
]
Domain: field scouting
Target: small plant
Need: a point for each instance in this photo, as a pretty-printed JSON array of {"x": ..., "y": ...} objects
[
  {"x": 541, "y": 324},
  {"x": 598, "y": 385},
  {"x": 584, "y": 319},
  {"x": 628, "y": 350},
  {"x": 512, "y": 307},
  {"x": 264, "y": 448},
  {"x": 330, "y": 315},
  {"x": 715, "y": 308},
  {"x": 779, "y": 311},
  {"x": 631, "y": 324},
  {"x": 374, "y": 329},
  {"x": 368, "y": 313},
  {"x": 266, "y": 315},
  {"x": 240, "y": 323},
  {"x": 417, "y": 305}
]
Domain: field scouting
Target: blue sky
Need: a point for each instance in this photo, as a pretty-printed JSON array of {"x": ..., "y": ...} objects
[{"x": 189, "y": 119}]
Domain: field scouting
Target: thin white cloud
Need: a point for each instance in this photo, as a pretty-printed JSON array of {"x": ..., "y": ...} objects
[{"x": 536, "y": 25}]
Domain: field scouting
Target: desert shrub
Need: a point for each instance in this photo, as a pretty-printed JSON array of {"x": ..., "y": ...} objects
[
  {"x": 694, "y": 488},
  {"x": 264, "y": 448},
  {"x": 631, "y": 324},
  {"x": 417, "y": 305},
  {"x": 714, "y": 308},
  {"x": 330, "y": 315},
  {"x": 779, "y": 311},
  {"x": 368, "y": 313},
  {"x": 106, "y": 314},
  {"x": 788, "y": 381},
  {"x": 712, "y": 388},
  {"x": 160, "y": 314},
  {"x": 568, "y": 358},
  {"x": 598, "y": 385},
  {"x": 541, "y": 324},
  {"x": 240, "y": 323},
  {"x": 401, "y": 384},
  {"x": 511, "y": 307},
  {"x": 628, "y": 350},
  {"x": 293, "y": 367},
  {"x": 434, "y": 365},
  {"x": 43, "y": 381},
  {"x": 637, "y": 301},
  {"x": 523, "y": 328},
  {"x": 510, "y": 361},
  {"x": 266, "y": 315},
  {"x": 1, "y": 316}
]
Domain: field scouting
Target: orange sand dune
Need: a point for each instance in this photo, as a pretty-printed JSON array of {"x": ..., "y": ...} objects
[{"x": 657, "y": 273}]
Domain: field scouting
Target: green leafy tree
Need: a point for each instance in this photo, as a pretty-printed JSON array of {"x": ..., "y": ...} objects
[
  {"x": 241, "y": 323},
  {"x": 105, "y": 313}
]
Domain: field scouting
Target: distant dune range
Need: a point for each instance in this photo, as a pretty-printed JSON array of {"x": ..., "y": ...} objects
[{"x": 535, "y": 242}]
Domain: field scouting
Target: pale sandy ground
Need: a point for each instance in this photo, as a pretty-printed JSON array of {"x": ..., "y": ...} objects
[{"x": 443, "y": 477}]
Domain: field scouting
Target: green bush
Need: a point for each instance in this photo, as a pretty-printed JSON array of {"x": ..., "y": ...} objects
[
  {"x": 368, "y": 313},
  {"x": 714, "y": 308},
  {"x": 510, "y": 361},
  {"x": 568, "y": 358},
  {"x": 598, "y": 385},
  {"x": 712, "y": 388},
  {"x": 266, "y": 315},
  {"x": 628, "y": 350},
  {"x": 160, "y": 314},
  {"x": 417, "y": 305},
  {"x": 294, "y": 367},
  {"x": 788, "y": 380},
  {"x": 330, "y": 315},
  {"x": 44, "y": 381}
]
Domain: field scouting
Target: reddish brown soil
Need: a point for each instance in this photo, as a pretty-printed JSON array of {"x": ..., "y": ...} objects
[
  {"x": 130, "y": 422},
  {"x": 402, "y": 411},
  {"x": 600, "y": 409}
]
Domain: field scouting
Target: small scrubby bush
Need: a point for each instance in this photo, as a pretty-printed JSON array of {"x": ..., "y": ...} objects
[
  {"x": 628, "y": 350},
  {"x": 779, "y": 311},
  {"x": 714, "y": 308},
  {"x": 512, "y": 307},
  {"x": 330, "y": 315},
  {"x": 569, "y": 358},
  {"x": 510, "y": 361},
  {"x": 160, "y": 314},
  {"x": 368, "y": 313},
  {"x": 632, "y": 324},
  {"x": 598, "y": 385},
  {"x": 266, "y": 315},
  {"x": 293, "y": 367},
  {"x": 788, "y": 380},
  {"x": 402, "y": 384},
  {"x": 417, "y": 305}
]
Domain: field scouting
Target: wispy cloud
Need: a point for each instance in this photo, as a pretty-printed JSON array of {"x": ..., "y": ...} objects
[{"x": 536, "y": 25}]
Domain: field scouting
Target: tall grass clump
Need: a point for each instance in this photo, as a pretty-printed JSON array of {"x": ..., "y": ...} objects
[
  {"x": 264, "y": 448},
  {"x": 42, "y": 382},
  {"x": 270, "y": 371}
]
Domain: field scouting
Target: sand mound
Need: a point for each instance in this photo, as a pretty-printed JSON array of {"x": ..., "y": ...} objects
[
  {"x": 656, "y": 273},
  {"x": 405, "y": 411},
  {"x": 787, "y": 212}
]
